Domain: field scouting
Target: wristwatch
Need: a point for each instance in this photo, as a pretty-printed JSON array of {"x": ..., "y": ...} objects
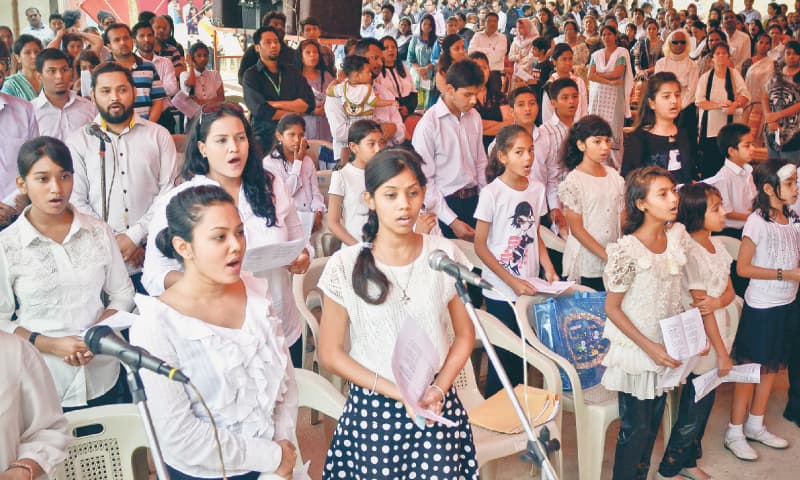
[{"x": 32, "y": 338}]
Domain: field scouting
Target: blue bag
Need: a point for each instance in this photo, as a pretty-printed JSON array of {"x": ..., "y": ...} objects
[{"x": 572, "y": 326}]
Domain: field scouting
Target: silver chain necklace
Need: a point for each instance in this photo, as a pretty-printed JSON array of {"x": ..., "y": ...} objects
[{"x": 404, "y": 297}]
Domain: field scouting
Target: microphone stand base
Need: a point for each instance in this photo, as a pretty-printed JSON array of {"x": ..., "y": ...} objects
[{"x": 140, "y": 399}]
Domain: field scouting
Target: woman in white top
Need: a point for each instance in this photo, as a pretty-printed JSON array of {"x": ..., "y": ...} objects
[
  {"x": 311, "y": 63},
  {"x": 375, "y": 292},
  {"x": 396, "y": 78},
  {"x": 54, "y": 265},
  {"x": 521, "y": 54},
  {"x": 33, "y": 430},
  {"x": 220, "y": 151},
  {"x": 217, "y": 325},
  {"x": 721, "y": 94}
]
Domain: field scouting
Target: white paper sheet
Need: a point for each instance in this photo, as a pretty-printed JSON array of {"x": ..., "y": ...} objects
[
  {"x": 553, "y": 288},
  {"x": 307, "y": 219},
  {"x": 414, "y": 365},
  {"x": 672, "y": 377},
  {"x": 274, "y": 255},
  {"x": 183, "y": 102},
  {"x": 746, "y": 373},
  {"x": 684, "y": 334},
  {"x": 118, "y": 321}
]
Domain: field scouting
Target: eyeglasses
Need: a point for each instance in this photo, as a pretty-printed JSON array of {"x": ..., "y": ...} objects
[
  {"x": 679, "y": 42},
  {"x": 217, "y": 107}
]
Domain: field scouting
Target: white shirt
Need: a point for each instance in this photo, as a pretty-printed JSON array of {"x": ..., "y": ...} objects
[
  {"x": 547, "y": 167},
  {"x": 777, "y": 246},
  {"x": 300, "y": 179},
  {"x": 452, "y": 150},
  {"x": 736, "y": 185},
  {"x": 43, "y": 33},
  {"x": 348, "y": 183},
  {"x": 206, "y": 84},
  {"x": 583, "y": 100},
  {"x": 718, "y": 118},
  {"x": 686, "y": 71},
  {"x": 389, "y": 80},
  {"x": 139, "y": 164},
  {"x": 31, "y": 423},
  {"x": 62, "y": 122},
  {"x": 58, "y": 288},
  {"x": 740, "y": 51},
  {"x": 513, "y": 218},
  {"x": 18, "y": 125},
  {"x": 244, "y": 375},
  {"x": 287, "y": 228},
  {"x": 391, "y": 30},
  {"x": 494, "y": 47}
]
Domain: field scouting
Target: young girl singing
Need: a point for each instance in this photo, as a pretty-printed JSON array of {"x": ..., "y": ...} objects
[
  {"x": 507, "y": 235},
  {"x": 707, "y": 277},
  {"x": 643, "y": 280},
  {"x": 769, "y": 256},
  {"x": 371, "y": 289},
  {"x": 289, "y": 161},
  {"x": 347, "y": 212},
  {"x": 592, "y": 195}
]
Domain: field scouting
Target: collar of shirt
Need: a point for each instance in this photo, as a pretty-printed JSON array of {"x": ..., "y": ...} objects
[
  {"x": 104, "y": 124},
  {"x": 737, "y": 170},
  {"x": 3, "y": 100},
  {"x": 41, "y": 100},
  {"x": 440, "y": 109},
  {"x": 555, "y": 121},
  {"x": 28, "y": 233}
]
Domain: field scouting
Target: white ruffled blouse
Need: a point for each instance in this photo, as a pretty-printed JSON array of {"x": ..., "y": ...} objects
[
  {"x": 654, "y": 290},
  {"x": 245, "y": 376}
]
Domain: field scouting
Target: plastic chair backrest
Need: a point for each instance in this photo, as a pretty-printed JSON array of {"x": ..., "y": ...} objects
[
  {"x": 551, "y": 240},
  {"x": 319, "y": 394},
  {"x": 106, "y": 452},
  {"x": 468, "y": 249},
  {"x": 731, "y": 245},
  {"x": 302, "y": 286},
  {"x": 324, "y": 179}
]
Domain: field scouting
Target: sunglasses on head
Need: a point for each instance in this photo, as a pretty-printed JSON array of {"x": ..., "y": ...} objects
[
  {"x": 217, "y": 107},
  {"x": 679, "y": 42}
]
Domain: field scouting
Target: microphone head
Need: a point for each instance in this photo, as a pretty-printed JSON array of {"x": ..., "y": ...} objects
[
  {"x": 94, "y": 335},
  {"x": 436, "y": 258}
]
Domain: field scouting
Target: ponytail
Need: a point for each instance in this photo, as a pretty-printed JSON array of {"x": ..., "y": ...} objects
[{"x": 365, "y": 272}]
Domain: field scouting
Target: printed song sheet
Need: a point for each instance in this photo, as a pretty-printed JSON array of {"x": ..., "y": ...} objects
[
  {"x": 704, "y": 384},
  {"x": 553, "y": 288},
  {"x": 273, "y": 255}
]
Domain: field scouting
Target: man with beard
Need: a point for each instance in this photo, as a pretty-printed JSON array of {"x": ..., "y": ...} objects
[
  {"x": 149, "y": 89},
  {"x": 277, "y": 21},
  {"x": 273, "y": 89},
  {"x": 145, "y": 40},
  {"x": 59, "y": 111},
  {"x": 394, "y": 130},
  {"x": 118, "y": 180}
]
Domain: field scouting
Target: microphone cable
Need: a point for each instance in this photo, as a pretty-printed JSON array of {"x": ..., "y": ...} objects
[{"x": 214, "y": 427}]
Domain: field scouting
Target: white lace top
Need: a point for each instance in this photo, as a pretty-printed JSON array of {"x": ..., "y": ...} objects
[
  {"x": 374, "y": 328},
  {"x": 653, "y": 288},
  {"x": 710, "y": 272},
  {"x": 245, "y": 376},
  {"x": 600, "y": 202},
  {"x": 777, "y": 246}
]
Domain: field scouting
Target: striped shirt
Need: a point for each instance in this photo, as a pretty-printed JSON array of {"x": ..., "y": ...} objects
[
  {"x": 547, "y": 149},
  {"x": 148, "y": 86}
]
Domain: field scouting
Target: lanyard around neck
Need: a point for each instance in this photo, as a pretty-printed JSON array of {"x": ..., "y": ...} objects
[{"x": 277, "y": 86}]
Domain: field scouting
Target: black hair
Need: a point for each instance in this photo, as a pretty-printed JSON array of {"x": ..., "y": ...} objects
[
  {"x": 693, "y": 203},
  {"x": 540, "y": 43},
  {"x": 572, "y": 22},
  {"x": 723, "y": 45},
  {"x": 358, "y": 131},
  {"x": 588, "y": 126},
  {"x": 398, "y": 63},
  {"x": 198, "y": 46},
  {"x": 71, "y": 17},
  {"x": 388, "y": 6},
  {"x": 87, "y": 56},
  {"x": 23, "y": 40},
  {"x": 555, "y": 87},
  {"x": 55, "y": 16},
  {"x": 445, "y": 59},
  {"x": 637, "y": 186},
  {"x": 146, "y": 16},
  {"x": 298, "y": 57},
  {"x": 700, "y": 25},
  {"x": 387, "y": 164},
  {"x": 369, "y": 13},
  {"x": 730, "y": 135},
  {"x": 287, "y": 121},
  {"x": 766, "y": 173},
  {"x": 135, "y": 29},
  {"x": 271, "y": 15},
  {"x": 53, "y": 54},
  {"x": 465, "y": 73},
  {"x": 184, "y": 211},
  {"x": 558, "y": 50},
  {"x": 646, "y": 117},
  {"x": 512, "y": 97},
  {"x": 363, "y": 44},
  {"x": 757, "y": 38},
  {"x": 492, "y": 14},
  {"x": 33, "y": 150},
  {"x": 354, "y": 64},
  {"x": 310, "y": 21},
  {"x": 111, "y": 67},
  {"x": 262, "y": 30},
  {"x": 504, "y": 141},
  {"x": 432, "y": 35},
  {"x": 523, "y": 209},
  {"x": 256, "y": 182},
  {"x": 794, "y": 46}
]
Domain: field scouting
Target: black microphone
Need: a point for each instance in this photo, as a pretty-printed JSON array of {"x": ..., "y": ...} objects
[
  {"x": 94, "y": 130},
  {"x": 438, "y": 260},
  {"x": 102, "y": 340}
]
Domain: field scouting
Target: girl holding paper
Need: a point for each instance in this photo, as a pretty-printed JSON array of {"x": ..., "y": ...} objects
[
  {"x": 650, "y": 258},
  {"x": 220, "y": 151},
  {"x": 707, "y": 276},
  {"x": 370, "y": 291},
  {"x": 54, "y": 265}
]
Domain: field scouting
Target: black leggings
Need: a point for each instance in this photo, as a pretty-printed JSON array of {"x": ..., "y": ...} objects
[{"x": 639, "y": 422}]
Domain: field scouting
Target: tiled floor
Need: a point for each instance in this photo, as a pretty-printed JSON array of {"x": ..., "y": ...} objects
[{"x": 773, "y": 464}]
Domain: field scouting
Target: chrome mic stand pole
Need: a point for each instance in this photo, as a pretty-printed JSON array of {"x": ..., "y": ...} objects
[
  {"x": 140, "y": 399},
  {"x": 536, "y": 451}
]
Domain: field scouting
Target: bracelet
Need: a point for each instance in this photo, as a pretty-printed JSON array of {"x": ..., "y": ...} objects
[
  {"x": 374, "y": 384},
  {"x": 437, "y": 387},
  {"x": 23, "y": 466},
  {"x": 32, "y": 338},
  {"x": 780, "y": 274}
]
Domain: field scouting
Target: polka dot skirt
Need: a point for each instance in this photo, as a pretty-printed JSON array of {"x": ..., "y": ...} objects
[{"x": 375, "y": 439}]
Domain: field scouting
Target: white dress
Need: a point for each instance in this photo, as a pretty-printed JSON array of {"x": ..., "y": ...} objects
[
  {"x": 348, "y": 183},
  {"x": 710, "y": 272},
  {"x": 600, "y": 202},
  {"x": 653, "y": 288}
]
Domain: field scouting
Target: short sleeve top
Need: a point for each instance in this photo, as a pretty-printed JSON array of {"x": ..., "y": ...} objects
[
  {"x": 348, "y": 183},
  {"x": 777, "y": 246}
]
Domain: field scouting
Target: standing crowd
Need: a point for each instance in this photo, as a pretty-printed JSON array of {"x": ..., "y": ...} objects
[{"x": 630, "y": 137}]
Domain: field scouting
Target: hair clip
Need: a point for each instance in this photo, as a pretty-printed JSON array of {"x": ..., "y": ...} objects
[
  {"x": 786, "y": 171},
  {"x": 366, "y": 245}
]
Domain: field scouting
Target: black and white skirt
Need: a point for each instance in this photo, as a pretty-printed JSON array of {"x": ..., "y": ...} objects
[{"x": 375, "y": 439}]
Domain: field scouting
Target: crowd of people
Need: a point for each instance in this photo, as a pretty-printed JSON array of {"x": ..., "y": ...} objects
[{"x": 632, "y": 138}]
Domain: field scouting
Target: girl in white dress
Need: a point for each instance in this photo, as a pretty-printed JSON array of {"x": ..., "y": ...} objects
[
  {"x": 370, "y": 291},
  {"x": 593, "y": 198},
  {"x": 643, "y": 278},
  {"x": 709, "y": 287}
]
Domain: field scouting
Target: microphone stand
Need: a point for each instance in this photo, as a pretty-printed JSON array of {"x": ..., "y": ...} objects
[
  {"x": 536, "y": 451},
  {"x": 140, "y": 399},
  {"x": 103, "y": 179}
]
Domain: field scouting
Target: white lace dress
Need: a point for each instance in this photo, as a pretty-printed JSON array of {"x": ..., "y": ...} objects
[
  {"x": 653, "y": 288},
  {"x": 599, "y": 201}
]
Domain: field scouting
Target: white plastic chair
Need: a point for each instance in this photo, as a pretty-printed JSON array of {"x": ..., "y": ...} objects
[
  {"x": 319, "y": 395},
  {"x": 731, "y": 245},
  {"x": 324, "y": 179},
  {"x": 468, "y": 249},
  {"x": 109, "y": 453},
  {"x": 489, "y": 445},
  {"x": 551, "y": 240}
]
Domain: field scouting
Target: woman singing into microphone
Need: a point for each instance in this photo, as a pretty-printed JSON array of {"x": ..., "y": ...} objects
[
  {"x": 371, "y": 289},
  {"x": 217, "y": 325}
]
